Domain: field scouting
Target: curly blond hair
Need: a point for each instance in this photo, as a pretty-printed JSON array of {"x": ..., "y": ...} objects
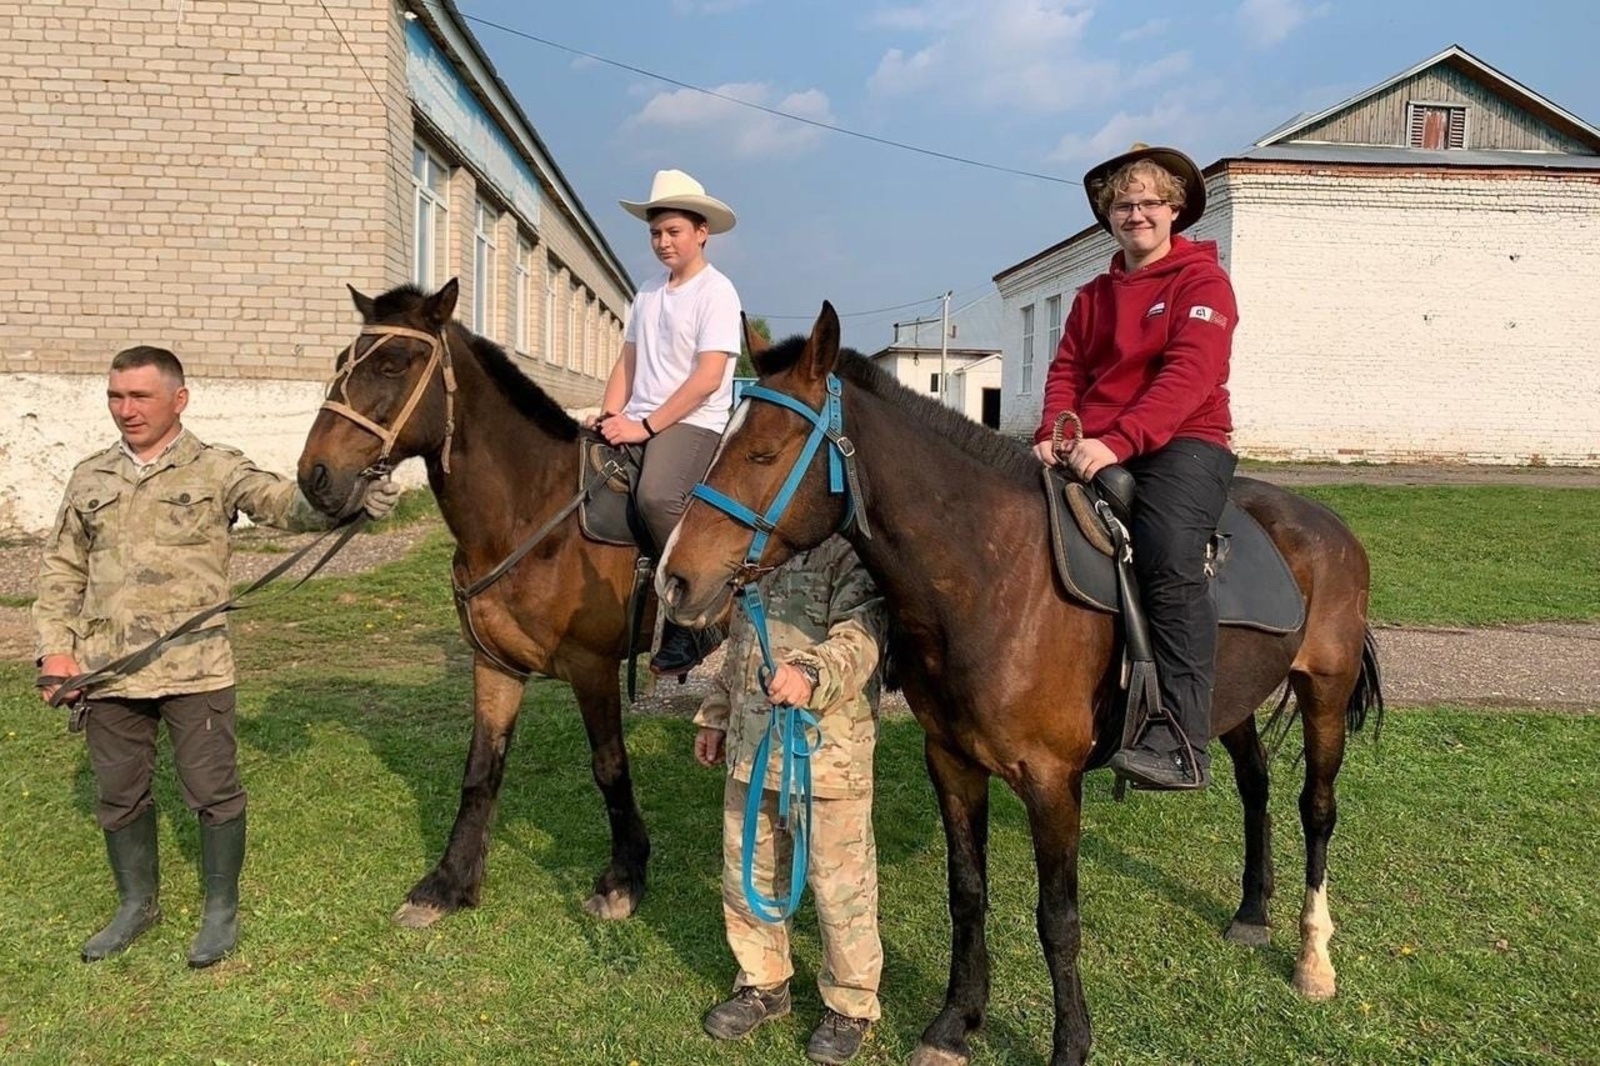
[{"x": 1168, "y": 186}]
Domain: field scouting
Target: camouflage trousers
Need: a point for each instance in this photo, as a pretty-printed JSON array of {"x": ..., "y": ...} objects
[{"x": 843, "y": 877}]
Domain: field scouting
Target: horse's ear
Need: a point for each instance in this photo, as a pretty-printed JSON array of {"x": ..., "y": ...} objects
[
  {"x": 364, "y": 304},
  {"x": 822, "y": 348},
  {"x": 437, "y": 309},
  {"x": 754, "y": 342}
]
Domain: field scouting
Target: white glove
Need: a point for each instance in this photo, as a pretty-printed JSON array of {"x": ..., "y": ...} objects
[{"x": 380, "y": 498}]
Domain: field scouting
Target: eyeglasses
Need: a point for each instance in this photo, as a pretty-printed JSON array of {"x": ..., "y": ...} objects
[{"x": 1144, "y": 207}]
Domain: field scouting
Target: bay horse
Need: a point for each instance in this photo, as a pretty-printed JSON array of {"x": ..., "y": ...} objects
[
  {"x": 1006, "y": 675},
  {"x": 502, "y": 459}
]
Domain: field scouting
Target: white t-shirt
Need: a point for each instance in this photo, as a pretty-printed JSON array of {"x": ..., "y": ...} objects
[{"x": 668, "y": 328}]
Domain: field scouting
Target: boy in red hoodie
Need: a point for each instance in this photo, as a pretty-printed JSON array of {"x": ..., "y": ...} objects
[{"x": 1143, "y": 361}]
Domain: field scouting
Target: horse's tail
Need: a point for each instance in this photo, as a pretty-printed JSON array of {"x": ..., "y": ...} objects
[{"x": 1367, "y": 697}]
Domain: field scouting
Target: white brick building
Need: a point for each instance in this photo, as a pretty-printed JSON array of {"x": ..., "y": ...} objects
[
  {"x": 1415, "y": 269},
  {"x": 207, "y": 175}
]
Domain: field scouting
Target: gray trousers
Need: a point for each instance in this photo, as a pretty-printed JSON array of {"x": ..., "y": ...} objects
[
  {"x": 674, "y": 462},
  {"x": 122, "y": 747}
]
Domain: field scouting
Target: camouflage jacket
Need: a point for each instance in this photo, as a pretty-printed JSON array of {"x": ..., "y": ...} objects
[
  {"x": 822, "y": 610},
  {"x": 133, "y": 556}
]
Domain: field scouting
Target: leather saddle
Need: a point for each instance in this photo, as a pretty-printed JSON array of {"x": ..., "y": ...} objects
[
  {"x": 1250, "y": 581},
  {"x": 607, "y": 477}
]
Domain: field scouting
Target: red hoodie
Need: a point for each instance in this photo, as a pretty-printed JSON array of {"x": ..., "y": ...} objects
[{"x": 1144, "y": 356}]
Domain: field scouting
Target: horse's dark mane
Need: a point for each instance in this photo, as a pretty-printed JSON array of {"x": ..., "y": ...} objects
[
  {"x": 971, "y": 438},
  {"x": 526, "y": 396}
]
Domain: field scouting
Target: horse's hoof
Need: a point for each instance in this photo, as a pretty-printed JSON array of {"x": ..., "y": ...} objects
[
  {"x": 610, "y": 906},
  {"x": 1316, "y": 983},
  {"x": 417, "y": 915},
  {"x": 933, "y": 1056},
  {"x": 1251, "y": 936}
]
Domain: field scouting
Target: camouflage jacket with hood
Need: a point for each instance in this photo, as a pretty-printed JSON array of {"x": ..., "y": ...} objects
[{"x": 822, "y": 610}]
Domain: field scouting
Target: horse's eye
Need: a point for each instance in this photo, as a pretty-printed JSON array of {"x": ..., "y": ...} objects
[
  {"x": 761, "y": 458},
  {"x": 391, "y": 366}
]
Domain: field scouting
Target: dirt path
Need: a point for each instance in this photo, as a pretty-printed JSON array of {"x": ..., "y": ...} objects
[{"x": 1554, "y": 666}]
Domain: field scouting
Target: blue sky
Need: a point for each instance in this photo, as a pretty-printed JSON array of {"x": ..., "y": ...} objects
[{"x": 1045, "y": 86}]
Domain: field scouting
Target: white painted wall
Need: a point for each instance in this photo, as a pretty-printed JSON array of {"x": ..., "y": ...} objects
[
  {"x": 51, "y": 422},
  {"x": 968, "y": 383},
  {"x": 1417, "y": 318},
  {"x": 1397, "y": 319}
]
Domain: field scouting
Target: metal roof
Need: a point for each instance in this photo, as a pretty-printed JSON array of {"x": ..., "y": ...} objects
[{"x": 1384, "y": 155}]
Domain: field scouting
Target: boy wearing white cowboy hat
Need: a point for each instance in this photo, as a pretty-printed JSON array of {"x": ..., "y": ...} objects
[
  {"x": 1143, "y": 360},
  {"x": 672, "y": 386}
]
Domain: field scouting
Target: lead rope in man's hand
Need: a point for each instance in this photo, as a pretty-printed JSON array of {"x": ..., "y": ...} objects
[{"x": 797, "y": 735}]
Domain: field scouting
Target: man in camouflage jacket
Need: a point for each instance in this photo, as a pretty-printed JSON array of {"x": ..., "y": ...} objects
[
  {"x": 140, "y": 545},
  {"x": 826, "y": 621}
]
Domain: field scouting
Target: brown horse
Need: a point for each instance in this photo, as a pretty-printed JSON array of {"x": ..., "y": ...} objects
[
  {"x": 1006, "y": 675},
  {"x": 502, "y": 460}
]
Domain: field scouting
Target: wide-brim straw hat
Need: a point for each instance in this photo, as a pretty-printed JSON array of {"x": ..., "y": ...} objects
[
  {"x": 673, "y": 189},
  {"x": 1171, "y": 160}
]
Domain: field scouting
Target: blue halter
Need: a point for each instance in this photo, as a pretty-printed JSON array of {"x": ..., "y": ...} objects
[{"x": 794, "y": 731}]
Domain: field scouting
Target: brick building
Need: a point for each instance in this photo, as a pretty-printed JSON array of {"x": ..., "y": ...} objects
[
  {"x": 1413, "y": 268},
  {"x": 208, "y": 175}
]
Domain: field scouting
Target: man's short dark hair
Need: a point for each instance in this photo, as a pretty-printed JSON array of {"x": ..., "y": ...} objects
[
  {"x": 147, "y": 355},
  {"x": 693, "y": 216}
]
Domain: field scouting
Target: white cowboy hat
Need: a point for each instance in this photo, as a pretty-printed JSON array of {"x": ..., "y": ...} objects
[{"x": 675, "y": 189}]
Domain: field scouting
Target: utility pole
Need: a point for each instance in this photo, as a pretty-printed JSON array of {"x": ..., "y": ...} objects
[{"x": 944, "y": 347}]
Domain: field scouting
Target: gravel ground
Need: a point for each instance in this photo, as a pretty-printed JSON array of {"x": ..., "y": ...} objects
[{"x": 1553, "y": 666}]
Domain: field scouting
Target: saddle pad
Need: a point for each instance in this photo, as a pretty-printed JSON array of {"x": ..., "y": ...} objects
[
  {"x": 607, "y": 476},
  {"x": 1251, "y": 584}
]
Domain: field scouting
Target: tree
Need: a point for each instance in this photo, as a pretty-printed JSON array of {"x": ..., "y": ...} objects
[{"x": 745, "y": 367}]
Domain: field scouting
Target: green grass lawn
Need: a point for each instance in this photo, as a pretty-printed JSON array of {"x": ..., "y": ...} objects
[
  {"x": 1462, "y": 881},
  {"x": 1475, "y": 555}
]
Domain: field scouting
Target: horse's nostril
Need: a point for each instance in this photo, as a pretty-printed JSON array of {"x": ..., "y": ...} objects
[
  {"x": 672, "y": 588},
  {"x": 319, "y": 479}
]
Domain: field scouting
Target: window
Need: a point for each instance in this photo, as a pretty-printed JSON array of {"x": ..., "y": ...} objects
[
  {"x": 522, "y": 296},
  {"x": 1436, "y": 126},
  {"x": 574, "y": 352},
  {"x": 1053, "y": 314},
  {"x": 485, "y": 270},
  {"x": 430, "y": 181},
  {"x": 933, "y": 384},
  {"x": 588, "y": 335},
  {"x": 1027, "y": 351},
  {"x": 550, "y": 311}
]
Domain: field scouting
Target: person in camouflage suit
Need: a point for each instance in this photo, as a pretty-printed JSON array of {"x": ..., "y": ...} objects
[
  {"x": 826, "y": 621},
  {"x": 141, "y": 544}
]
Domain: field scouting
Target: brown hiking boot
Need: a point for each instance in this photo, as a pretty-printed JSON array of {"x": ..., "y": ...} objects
[
  {"x": 749, "y": 1007},
  {"x": 837, "y": 1038}
]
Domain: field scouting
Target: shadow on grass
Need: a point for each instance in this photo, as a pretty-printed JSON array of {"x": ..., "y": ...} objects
[{"x": 551, "y": 816}]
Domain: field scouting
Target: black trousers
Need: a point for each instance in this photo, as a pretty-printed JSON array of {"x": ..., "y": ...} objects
[
  {"x": 1181, "y": 492},
  {"x": 122, "y": 748}
]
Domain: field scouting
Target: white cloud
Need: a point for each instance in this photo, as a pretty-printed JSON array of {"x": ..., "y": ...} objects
[
  {"x": 1153, "y": 28},
  {"x": 1202, "y": 119},
  {"x": 1269, "y": 22},
  {"x": 718, "y": 124},
  {"x": 1022, "y": 55}
]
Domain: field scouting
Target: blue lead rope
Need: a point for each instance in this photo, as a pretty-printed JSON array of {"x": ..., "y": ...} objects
[{"x": 794, "y": 731}]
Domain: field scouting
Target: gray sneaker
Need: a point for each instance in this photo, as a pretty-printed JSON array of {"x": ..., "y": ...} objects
[
  {"x": 837, "y": 1038},
  {"x": 747, "y": 1009}
]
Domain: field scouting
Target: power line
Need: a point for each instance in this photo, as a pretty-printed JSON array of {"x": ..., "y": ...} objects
[
  {"x": 863, "y": 314},
  {"x": 830, "y": 127},
  {"x": 353, "y": 57}
]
